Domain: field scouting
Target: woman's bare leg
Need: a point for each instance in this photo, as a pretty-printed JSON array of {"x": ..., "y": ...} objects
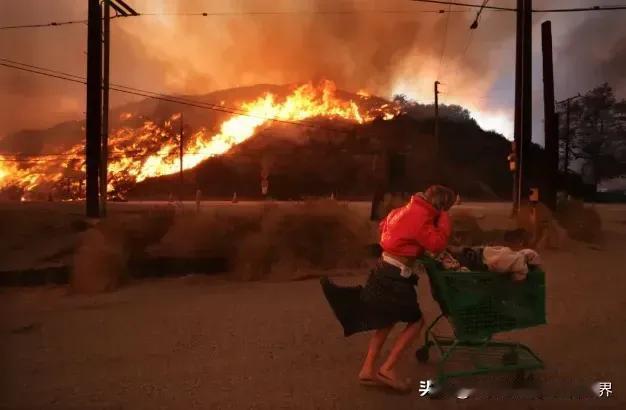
[
  {"x": 368, "y": 371},
  {"x": 404, "y": 339}
]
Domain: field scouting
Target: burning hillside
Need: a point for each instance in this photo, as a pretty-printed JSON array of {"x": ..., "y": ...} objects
[{"x": 141, "y": 148}]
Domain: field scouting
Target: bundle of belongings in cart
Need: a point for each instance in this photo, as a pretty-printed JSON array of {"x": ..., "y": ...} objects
[{"x": 499, "y": 259}]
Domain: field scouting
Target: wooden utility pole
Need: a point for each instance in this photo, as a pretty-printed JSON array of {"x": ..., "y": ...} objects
[
  {"x": 98, "y": 62},
  {"x": 94, "y": 108},
  {"x": 566, "y": 137},
  {"x": 181, "y": 153},
  {"x": 527, "y": 119},
  {"x": 437, "y": 120},
  {"x": 518, "y": 106},
  {"x": 550, "y": 120},
  {"x": 567, "y": 127},
  {"x": 523, "y": 100},
  {"x": 104, "y": 162}
]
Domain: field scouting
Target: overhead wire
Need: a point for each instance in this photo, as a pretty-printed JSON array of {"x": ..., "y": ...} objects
[
  {"x": 134, "y": 91},
  {"x": 51, "y": 24},
  {"x": 443, "y": 46},
  {"x": 302, "y": 12},
  {"x": 13, "y": 157},
  {"x": 329, "y": 12},
  {"x": 158, "y": 96},
  {"x": 236, "y": 14},
  {"x": 468, "y": 43},
  {"x": 500, "y": 8}
]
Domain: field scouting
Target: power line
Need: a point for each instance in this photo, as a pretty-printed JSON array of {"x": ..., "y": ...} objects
[
  {"x": 454, "y": 3},
  {"x": 474, "y": 25},
  {"x": 304, "y": 12},
  {"x": 11, "y": 157},
  {"x": 55, "y": 23},
  {"x": 593, "y": 8},
  {"x": 443, "y": 46},
  {"x": 46, "y": 74},
  {"x": 562, "y": 10},
  {"x": 51, "y": 24},
  {"x": 469, "y": 40},
  {"x": 330, "y": 12},
  {"x": 462, "y": 58},
  {"x": 157, "y": 96},
  {"x": 236, "y": 14}
]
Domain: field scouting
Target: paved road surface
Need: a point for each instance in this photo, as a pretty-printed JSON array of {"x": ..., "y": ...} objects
[{"x": 209, "y": 343}]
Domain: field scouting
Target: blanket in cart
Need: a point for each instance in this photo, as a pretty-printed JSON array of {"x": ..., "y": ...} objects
[{"x": 499, "y": 259}]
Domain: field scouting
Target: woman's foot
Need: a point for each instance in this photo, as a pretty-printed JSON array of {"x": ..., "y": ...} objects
[
  {"x": 390, "y": 379},
  {"x": 367, "y": 377}
]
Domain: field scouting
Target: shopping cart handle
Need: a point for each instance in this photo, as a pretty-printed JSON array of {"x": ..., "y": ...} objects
[{"x": 428, "y": 262}]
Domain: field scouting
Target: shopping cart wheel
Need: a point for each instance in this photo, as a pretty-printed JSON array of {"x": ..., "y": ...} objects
[{"x": 422, "y": 353}]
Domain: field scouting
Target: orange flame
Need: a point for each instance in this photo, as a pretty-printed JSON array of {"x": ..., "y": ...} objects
[{"x": 153, "y": 150}]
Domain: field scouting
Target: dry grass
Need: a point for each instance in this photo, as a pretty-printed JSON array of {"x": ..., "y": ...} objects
[
  {"x": 274, "y": 242},
  {"x": 101, "y": 259},
  {"x": 573, "y": 219},
  {"x": 319, "y": 235},
  {"x": 581, "y": 222},
  {"x": 34, "y": 238},
  {"x": 215, "y": 234},
  {"x": 100, "y": 262}
]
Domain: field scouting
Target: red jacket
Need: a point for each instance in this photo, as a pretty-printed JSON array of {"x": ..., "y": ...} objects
[{"x": 413, "y": 228}]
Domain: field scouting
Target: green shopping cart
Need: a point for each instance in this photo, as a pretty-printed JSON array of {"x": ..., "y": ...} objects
[{"x": 478, "y": 305}]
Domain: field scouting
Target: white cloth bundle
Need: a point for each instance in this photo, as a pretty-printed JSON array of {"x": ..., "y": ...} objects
[{"x": 506, "y": 260}]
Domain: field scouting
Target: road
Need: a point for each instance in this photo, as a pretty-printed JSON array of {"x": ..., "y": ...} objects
[{"x": 202, "y": 342}]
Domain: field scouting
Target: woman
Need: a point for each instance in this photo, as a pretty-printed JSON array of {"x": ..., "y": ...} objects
[{"x": 389, "y": 296}]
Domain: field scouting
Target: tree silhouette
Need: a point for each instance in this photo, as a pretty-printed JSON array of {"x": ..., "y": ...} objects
[{"x": 598, "y": 135}]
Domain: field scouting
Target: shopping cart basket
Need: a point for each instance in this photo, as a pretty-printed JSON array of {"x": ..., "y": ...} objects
[{"x": 478, "y": 305}]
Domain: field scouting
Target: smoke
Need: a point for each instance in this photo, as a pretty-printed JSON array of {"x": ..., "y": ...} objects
[
  {"x": 594, "y": 52},
  {"x": 360, "y": 49},
  {"x": 383, "y": 47}
]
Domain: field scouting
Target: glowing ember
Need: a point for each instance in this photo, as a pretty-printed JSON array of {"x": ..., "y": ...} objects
[{"x": 153, "y": 150}]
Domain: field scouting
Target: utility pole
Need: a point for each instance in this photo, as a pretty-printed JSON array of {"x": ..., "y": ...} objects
[
  {"x": 437, "y": 120},
  {"x": 566, "y": 137},
  {"x": 527, "y": 120},
  {"x": 104, "y": 162},
  {"x": 567, "y": 126},
  {"x": 102, "y": 54},
  {"x": 94, "y": 108},
  {"x": 523, "y": 100},
  {"x": 518, "y": 104},
  {"x": 567, "y": 102},
  {"x": 550, "y": 120},
  {"x": 180, "y": 153}
]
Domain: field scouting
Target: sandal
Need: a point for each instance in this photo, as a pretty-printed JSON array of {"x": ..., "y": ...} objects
[
  {"x": 396, "y": 385},
  {"x": 369, "y": 381}
]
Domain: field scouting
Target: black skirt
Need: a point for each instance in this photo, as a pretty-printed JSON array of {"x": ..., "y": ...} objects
[{"x": 386, "y": 298}]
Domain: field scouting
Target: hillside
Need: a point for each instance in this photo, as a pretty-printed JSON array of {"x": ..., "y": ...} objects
[
  {"x": 64, "y": 135},
  {"x": 331, "y": 156},
  {"x": 318, "y": 163}
]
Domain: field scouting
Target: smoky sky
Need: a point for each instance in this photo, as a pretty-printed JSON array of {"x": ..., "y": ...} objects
[
  {"x": 596, "y": 50},
  {"x": 383, "y": 47}
]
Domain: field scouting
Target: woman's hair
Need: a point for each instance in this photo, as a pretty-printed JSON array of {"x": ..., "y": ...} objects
[{"x": 440, "y": 197}]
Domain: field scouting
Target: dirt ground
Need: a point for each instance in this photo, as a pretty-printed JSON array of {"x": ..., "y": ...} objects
[{"x": 201, "y": 342}]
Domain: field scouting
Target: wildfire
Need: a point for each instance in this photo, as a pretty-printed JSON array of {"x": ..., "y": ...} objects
[{"x": 152, "y": 150}]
